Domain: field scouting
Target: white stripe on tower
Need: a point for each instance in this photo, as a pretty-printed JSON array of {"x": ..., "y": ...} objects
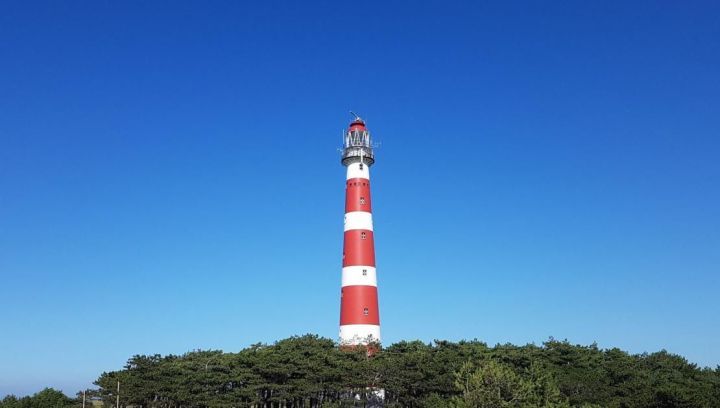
[
  {"x": 359, "y": 275},
  {"x": 358, "y": 220},
  {"x": 357, "y": 332},
  {"x": 359, "y": 315},
  {"x": 355, "y": 171}
]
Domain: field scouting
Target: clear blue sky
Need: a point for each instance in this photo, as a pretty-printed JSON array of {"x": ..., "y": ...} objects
[{"x": 169, "y": 178}]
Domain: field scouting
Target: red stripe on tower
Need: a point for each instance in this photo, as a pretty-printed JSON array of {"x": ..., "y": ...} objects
[
  {"x": 357, "y": 195},
  {"x": 359, "y": 313},
  {"x": 359, "y": 298},
  {"x": 358, "y": 248}
]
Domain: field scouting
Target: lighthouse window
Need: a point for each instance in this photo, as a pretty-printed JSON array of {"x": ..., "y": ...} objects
[
  {"x": 365, "y": 311},
  {"x": 362, "y": 200},
  {"x": 364, "y": 272},
  {"x": 362, "y": 235}
]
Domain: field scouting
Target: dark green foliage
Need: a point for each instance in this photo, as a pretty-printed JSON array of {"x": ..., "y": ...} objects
[
  {"x": 489, "y": 383},
  {"x": 310, "y": 371},
  {"x": 47, "y": 398}
]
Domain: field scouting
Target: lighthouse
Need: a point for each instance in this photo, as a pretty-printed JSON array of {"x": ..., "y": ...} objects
[{"x": 359, "y": 314}]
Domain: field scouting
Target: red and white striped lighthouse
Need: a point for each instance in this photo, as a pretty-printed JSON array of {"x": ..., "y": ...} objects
[{"x": 359, "y": 314}]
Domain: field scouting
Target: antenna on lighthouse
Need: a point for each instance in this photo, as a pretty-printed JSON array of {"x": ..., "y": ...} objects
[{"x": 357, "y": 145}]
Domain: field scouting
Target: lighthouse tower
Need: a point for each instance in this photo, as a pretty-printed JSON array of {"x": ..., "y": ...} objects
[{"x": 359, "y": 314}]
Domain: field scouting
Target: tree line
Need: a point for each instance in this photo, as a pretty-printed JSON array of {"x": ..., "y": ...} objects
[
  {"x": 47, "y": 398},
  {"x": 310, "y": 371}
]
